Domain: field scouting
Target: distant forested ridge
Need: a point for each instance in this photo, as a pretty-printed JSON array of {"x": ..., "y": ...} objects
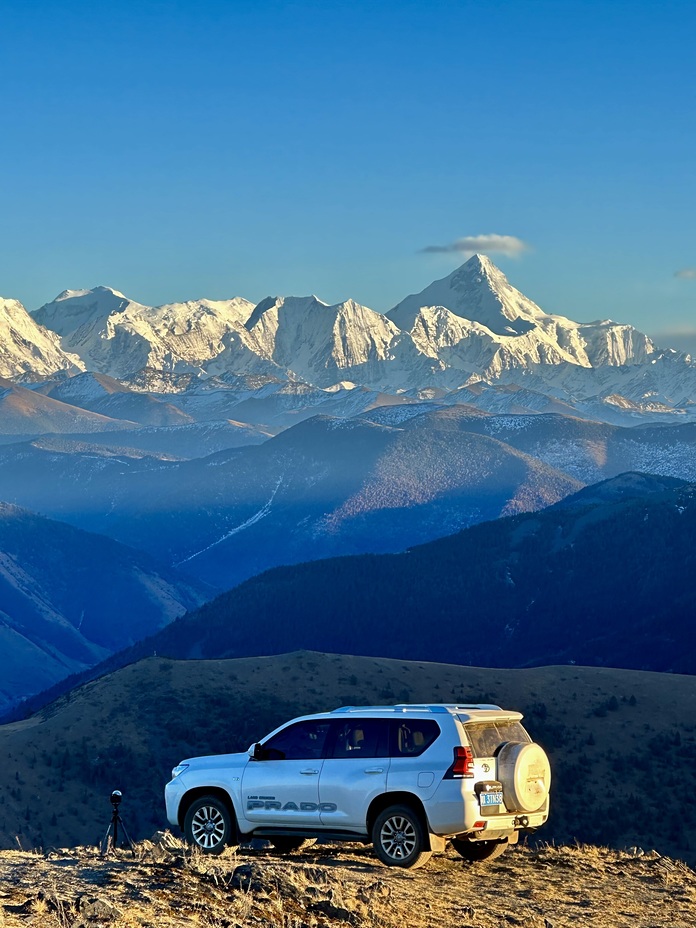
[{"x": 605, "y": 578}]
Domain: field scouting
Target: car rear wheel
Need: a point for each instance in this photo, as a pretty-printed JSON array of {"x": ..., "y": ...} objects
[
  {"x": 399, "y": 838},
  {"x": 479, "y": 850},
  {"x": 208, "y": 825}
]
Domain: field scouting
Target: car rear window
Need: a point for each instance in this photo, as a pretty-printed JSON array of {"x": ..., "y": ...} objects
[
  {"x": 412, "y": 737},
  {"x": 486, "y": 737},
  {"x": 356, "y": 738}
]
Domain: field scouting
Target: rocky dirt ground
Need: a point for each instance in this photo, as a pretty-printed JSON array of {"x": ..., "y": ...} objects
[{"x": 166, "y": 885}]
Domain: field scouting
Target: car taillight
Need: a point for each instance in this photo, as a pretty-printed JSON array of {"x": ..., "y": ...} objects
[{"x": 463, "y": 762}]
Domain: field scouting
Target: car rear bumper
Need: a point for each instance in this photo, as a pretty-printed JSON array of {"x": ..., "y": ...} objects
[{"x": 455, "y": 810}]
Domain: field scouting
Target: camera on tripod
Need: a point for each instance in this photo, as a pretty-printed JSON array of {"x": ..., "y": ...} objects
[{"x": 111, "y": 838}]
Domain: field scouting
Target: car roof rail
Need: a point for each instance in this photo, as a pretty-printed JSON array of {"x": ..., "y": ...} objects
[
  {"x": 440, "y": 707},
  {"x": 435, "y": 708},
  {"x": 477, "y": 705}
]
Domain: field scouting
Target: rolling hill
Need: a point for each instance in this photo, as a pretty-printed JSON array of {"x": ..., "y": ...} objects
[
  {"x": 589, "y": 451},
  {"x": 26, "y": 412},
  {"x": 622, "y": 743}
]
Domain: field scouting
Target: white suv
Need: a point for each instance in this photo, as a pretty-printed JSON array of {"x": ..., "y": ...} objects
[{"x": 405, "y": 777}]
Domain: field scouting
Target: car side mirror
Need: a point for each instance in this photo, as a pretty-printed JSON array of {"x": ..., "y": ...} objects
[{"x": 255, "y": 751}]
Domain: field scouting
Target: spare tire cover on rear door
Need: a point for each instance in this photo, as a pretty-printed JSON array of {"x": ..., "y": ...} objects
[{"x": 525, "y": 772}]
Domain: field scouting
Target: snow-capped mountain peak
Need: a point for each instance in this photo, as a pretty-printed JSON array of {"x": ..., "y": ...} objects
[
  {"x": 71, "y": 294},
  {"x": 27, "y": 349},
  {"x": 319, "y": 342},
  {"x": 478, "y": 291},
  {"x": 271, "y": 306},
  {"x": 119, "y": 337},
  {"x": 516, "y": 332},
  {"x": 72, "y": 310}
]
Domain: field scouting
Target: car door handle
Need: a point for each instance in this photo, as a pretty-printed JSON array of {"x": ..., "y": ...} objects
[
  {"x": 374, "y": 770},
  {"x": 309, "y": 772}
]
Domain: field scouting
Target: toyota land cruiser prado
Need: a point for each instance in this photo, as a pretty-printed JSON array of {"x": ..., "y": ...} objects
[{"x": 405, "y": 777}]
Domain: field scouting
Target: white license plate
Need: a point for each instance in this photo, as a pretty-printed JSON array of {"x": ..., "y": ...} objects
[{"x": 491, "y": 799}]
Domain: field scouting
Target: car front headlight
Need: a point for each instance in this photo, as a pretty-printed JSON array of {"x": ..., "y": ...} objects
[{"x": 178, "y": 770}]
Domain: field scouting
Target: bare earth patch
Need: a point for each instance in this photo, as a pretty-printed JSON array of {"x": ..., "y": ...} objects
[{"x": 166, "y": 885}]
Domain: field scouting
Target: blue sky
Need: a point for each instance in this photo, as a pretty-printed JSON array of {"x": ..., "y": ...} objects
[{"x": 176, "y": 149}]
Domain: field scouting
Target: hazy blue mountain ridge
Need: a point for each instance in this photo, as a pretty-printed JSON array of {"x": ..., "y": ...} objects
[
  {"x": 69, "y": 598},
  {"x": 603, "y": 583}
]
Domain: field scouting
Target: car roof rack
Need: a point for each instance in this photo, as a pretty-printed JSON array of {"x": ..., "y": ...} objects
[{"x": 435, "y": 708}]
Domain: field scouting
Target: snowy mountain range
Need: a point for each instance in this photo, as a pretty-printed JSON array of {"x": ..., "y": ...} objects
[{"x": 470, "y": 330}]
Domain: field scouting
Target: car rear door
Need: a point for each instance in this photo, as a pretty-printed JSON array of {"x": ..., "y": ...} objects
[
  {"x": 486, "y": 739},
  {"x": 354, "y": 771}
]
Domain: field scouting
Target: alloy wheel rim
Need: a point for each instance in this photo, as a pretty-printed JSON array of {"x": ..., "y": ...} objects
[
  {"x": 208, "y": 827},
  {"x": 398, "y": 837}
]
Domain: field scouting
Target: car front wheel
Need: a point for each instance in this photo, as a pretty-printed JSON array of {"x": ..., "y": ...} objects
[
  {"x": 208, "y": 825},
  {"x": 399, "y": 838}
]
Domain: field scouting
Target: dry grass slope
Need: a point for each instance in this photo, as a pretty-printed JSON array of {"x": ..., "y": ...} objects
[{"x": 167, "y": 886}]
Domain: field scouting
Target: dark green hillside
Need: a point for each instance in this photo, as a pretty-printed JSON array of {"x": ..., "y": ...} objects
[
  {"x": 622, "y": 743},
  {"x": 609, "y": 582}
]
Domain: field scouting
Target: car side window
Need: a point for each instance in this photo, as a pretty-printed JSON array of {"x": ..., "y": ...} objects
[
  {"x": 357, "y": 738},
  {"x": 302, "y": 741},
  {"x": 411, "y": 737}
]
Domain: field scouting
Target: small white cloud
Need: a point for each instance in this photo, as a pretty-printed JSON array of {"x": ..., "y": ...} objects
[
  {"x": 686, "y": 273},
  {"x": 492, "y": 244}
]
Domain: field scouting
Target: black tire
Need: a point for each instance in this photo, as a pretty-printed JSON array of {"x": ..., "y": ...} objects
[
  {"x": 475, "y": 851},
  {"x": 287, "y": 844},
  {"x": 399, "y": 839},
  {"x": 209, "y": 825}
]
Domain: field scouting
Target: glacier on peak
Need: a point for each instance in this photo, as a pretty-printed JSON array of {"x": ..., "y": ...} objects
[{"x": 70, "y": 294}]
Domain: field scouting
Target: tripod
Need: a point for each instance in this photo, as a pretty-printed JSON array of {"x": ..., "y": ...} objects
[{"x": 110, "y": 840}]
